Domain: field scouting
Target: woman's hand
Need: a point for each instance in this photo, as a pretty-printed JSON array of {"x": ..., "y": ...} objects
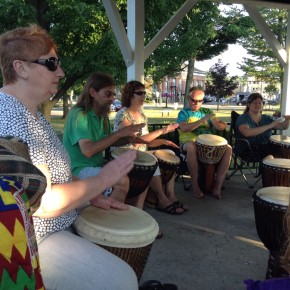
[
  {"x": 169, "y": 128},
  {"x": 169, "y": 143},
  {"x": 104, "y": 202}
]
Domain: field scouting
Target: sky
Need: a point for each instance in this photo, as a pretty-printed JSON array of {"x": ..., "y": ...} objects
[{"x": 232, "y": 56}]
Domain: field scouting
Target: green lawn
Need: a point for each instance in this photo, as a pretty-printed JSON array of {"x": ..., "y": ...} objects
[{"x": 154, "y": 115}]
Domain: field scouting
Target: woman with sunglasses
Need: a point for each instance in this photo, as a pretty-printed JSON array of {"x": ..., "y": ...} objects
[
  {"x": 133, "y": 96},
  {"x": 257, "y": 127},
  {"x": 31, "y": 73}
]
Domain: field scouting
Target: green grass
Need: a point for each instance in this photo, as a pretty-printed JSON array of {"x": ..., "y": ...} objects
[{"x": 154, "y": 115}]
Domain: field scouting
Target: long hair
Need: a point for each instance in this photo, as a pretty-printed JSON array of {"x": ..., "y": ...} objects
[
  {"x": 252, "y": 97},
  {"x": 128, "y": 92},
  {"x": 98, "y": 81}
]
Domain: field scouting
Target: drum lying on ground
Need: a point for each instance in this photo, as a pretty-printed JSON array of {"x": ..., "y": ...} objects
[
  {"x": 276, "y": 172},
  {"x": 280, "y": 146},
  {"x": 140, "y": 176},
  {"x": 128, "y": 234},
  {"x": 270, "y": 207},
  {"x": 210, "y": 148},
  {"x": 168, "y": 163}
]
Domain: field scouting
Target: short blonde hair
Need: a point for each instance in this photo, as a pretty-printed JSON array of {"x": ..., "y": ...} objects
[{"x": 23, "y": 43}]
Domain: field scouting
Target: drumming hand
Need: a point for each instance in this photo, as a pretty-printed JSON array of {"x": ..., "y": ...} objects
[
  {"x": 104, "y": 202},
  {"x": 117, "y": 168},
  {"x": 169, "y": 143},
  {"x": 131, "y": 130},
  {"x": 170, "y": 128}
]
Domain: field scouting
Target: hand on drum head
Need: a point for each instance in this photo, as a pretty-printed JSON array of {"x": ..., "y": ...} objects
[
  {"x": 104, "y": 202},
  {"x": 131, "y": 130},
  {"x": 117, "y": 168}
]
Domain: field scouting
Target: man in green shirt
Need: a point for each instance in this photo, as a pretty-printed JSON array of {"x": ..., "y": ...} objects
[{"x": 87, "y": 132}]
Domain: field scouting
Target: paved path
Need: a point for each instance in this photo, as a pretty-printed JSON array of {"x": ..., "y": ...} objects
[{"x": 213, "y": 246}]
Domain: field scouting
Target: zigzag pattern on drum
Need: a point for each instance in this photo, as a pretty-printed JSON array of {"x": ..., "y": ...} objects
[{"x": 19, "y": 265}]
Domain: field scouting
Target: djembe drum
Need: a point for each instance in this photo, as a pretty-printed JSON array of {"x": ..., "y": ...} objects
[
  {"x": 276, "y": 172},
  {"x": 210, "y": 149},
  {"x": 270, "y": 206},
  {"x": 140, "y": 176},
  {"x": 128, "y": 234},
  {"x": 168, "y": 163},
  {"x": 280, "y": 146}
]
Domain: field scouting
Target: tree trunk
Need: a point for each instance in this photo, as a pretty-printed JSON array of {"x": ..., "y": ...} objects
[
  {"x": 189, "y": 77},
  {"x": 65, "y": 105}
]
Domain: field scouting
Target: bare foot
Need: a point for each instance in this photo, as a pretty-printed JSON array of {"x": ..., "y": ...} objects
[
  {"x": 198, "y": 193},
  {"x": 216, "y": 195}
]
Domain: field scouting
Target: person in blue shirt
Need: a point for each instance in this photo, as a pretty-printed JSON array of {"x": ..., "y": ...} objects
[{"x": 257, "y": 127}]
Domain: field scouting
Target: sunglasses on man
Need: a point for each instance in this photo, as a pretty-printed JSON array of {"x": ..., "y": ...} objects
[
  {"x": 51, "y": 63},
  {"x": 140, "y": 93},
  {"x": 195, "y": 101}
]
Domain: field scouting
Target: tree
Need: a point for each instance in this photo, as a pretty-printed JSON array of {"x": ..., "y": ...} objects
[
  {"x": 263, "y": 65},
  {"x": 218, "y": 83}
]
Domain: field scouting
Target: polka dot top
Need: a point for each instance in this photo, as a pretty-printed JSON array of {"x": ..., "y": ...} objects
[{"x": 44, "y": 148}]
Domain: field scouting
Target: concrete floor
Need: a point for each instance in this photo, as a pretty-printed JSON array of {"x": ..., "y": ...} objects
[{"x": 213, "y": 246}]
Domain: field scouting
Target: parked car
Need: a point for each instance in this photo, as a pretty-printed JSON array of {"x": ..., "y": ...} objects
[
  {"x": 207, "y": 99},
  {"x": 116, "y": 106}
]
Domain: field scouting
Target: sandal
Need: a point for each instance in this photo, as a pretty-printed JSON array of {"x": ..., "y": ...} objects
[
  {"x": 156, "y": 285},
  {"x": 180, "y": 204},
  {"x": 171, "y": 209}
]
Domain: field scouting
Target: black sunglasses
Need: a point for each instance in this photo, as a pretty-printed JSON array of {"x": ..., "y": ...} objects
[
  {"x": 140, "y": 93},
  {"x": 195, "y": 101},
  {"x": 51, "y": 63}
]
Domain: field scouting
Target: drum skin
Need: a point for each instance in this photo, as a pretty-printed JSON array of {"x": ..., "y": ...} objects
[
  {"x": 276, "y": 172},
  {"x": 142, "y": 172},
  {"x": 128, "y": 234},
  {"x": 210, "y": 148}
]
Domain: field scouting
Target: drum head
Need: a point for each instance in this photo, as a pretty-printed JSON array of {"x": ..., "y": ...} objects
[
  {"x": 211, "y": 140},
  {"x": 143, "y": 158},
  {"x": 277, "y": 162},
  {"x": 275, "y": 194},
  {"x": 281, "y": 139},
  {"x": 167, "y": 156},
  {"x": 132, "y": 228}
]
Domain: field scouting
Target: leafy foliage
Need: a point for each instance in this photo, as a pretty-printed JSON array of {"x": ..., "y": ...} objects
[{"x": 218, "y": 83}]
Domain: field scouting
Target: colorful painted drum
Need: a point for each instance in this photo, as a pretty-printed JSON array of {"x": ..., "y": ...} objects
[
  {"x": 270, "y": 207},
  {"x": 128, "y": 234},
  {"x": 276, "y": 172},
  {"x": 210, "y": 148},
  {"x": 140, "y": 176},
  {"x": 280, "y": 145}
]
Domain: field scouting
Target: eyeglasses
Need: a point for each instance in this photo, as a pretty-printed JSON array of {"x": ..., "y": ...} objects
[
  {"x": 51, "y": 63},
  {"x": 195, "y": 101},
  {"x": 140, "y": 93}
]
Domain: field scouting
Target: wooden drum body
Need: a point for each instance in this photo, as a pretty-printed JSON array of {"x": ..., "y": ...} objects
[
  {"x": 280, "y": 146},
  {"x": 168, "y": 163},
  {"x": 128, "y": 234},
  {"x": 270, "y": 207},
  {"x": 276, "y": 172},
  {"x": 140, "y": 176},
  {"x": 210, "y": 149}
]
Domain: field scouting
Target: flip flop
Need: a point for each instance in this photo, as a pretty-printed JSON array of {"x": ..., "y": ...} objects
[
  {"x": 180, "y": 204},
  {"x": 156, "y": 285},
  {"x": 171, "y": 209}
]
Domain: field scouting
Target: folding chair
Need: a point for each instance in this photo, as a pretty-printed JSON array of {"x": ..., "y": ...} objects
[{"x": 248, "y": 161}]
